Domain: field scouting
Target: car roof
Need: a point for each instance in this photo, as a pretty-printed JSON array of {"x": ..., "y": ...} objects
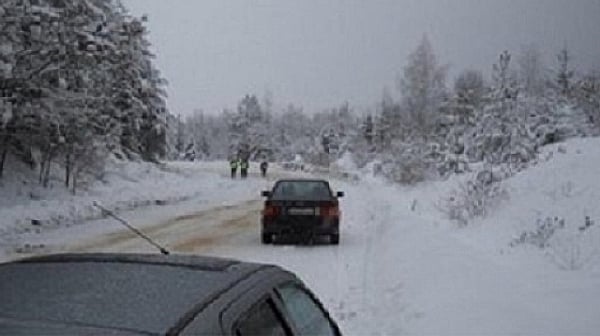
[
  {"x": 135, "y": 293},
  {"x": 302, "y": 180}
]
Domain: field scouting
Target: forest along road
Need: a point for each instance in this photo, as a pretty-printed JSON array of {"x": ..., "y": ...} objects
[{"x": 191, "y": 233}]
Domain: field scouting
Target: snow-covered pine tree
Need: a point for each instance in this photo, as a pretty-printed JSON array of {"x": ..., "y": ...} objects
[
  {"x": 66, "y": 65},
  {"x": 457, "y": 117},
  {"x": 502, "y": 134},
  {"x": 172, "y": 135},
  {"x": 388, "y": 122},
  {"x": 217, "y": 137},
  {"x": 208, "y": 134},
  {"x": 195, "y": 130},
  {"x": 336, "y": 128},
  {"x": 588, "y": 97},
  {"x": 249, "y": 130},
  {"x": 505, "y": 86},
  {"x": 368, "y": 130},
  {"x": 564, "y": 74},
  {"x": 88, "y": 130},
  {"x": 10, "y": 42},
  {"x": 423, "y": 88},
  {"x": 27, "y": 46},
  {"x": 293, "y": 133},
  {"x": 362, "y": 144},
  {"x": 469, "y": 93},
  {"x": 139, "y": 92}
]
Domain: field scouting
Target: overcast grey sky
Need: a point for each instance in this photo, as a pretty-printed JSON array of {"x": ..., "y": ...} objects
[{"x": 319, "y": 53}]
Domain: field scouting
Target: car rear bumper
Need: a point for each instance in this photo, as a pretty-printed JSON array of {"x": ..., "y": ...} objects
[{"x": 301, "y": 227}]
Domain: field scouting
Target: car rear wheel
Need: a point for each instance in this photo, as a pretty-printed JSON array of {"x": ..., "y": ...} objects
[
  {"x": 334, "y": 238},
  {"x": 267, "y": 238}
]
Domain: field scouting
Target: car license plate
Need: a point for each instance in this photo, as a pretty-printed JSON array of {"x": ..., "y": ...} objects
[{"x": 303, "y": 211}]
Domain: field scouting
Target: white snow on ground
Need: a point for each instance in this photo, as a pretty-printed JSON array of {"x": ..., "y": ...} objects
[{"x": 403, "y": 268}]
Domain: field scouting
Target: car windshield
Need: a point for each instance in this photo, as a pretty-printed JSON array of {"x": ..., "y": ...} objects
[
  {"x": 303, "y": 190},
  {"x": 426, "y": 167}
]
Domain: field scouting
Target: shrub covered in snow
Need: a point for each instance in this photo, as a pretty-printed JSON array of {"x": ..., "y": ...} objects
[
  {"x": 407, "y": 163},
  {"x": 577, "y": 249},
  {"x": 474, "y": 198},
  {"x": 543, "y": 232},
  {"x": 569, "y": 248}
]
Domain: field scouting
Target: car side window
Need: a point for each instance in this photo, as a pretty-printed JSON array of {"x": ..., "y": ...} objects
[
  {"x": 262, "y": 319},
  {"x": 306, "y": 314}
]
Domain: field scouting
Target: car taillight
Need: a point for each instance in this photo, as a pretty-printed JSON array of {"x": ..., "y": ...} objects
[
  {"x": 330, "y": 211},
  {"x": 270, "y": 211}
]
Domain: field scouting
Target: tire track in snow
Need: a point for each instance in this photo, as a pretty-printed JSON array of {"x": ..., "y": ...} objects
[
  {"x": 187, "y": 233},
  {"x": 372, "y": 289},
  {"x": 228, "y": 229}
]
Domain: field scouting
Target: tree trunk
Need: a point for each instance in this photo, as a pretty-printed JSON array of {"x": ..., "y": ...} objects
[
  {"x": 47, "y": 166},
  {"x": 2, "y": 160},
  {"x": 42, "y": 169},
  {"x": 67, "y": 170},
  {"x": 47, "y": 172},
  {"x": 74, "y": 183},
  {"x": 44, "y": 161}
]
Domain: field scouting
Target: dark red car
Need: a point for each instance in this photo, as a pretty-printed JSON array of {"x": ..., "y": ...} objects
[{"x": 302, "y": 209}]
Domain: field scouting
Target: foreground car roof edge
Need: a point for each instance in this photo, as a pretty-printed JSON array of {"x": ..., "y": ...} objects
[{"x": 134, "y": 258}]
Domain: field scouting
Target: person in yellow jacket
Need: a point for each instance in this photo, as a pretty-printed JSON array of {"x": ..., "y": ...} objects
[
  {"x": 244, "y": 165},
  {"x": 233, "y": 164}
]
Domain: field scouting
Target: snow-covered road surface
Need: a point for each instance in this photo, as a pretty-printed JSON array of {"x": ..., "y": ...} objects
[{"x": 189, "y": 233}]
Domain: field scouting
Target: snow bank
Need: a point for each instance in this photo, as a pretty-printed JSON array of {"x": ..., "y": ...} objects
[
  {"x": 424, "y": 275},
  {"x": 563, "y": 187}
]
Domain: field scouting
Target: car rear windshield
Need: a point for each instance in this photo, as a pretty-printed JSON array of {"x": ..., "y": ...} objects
[{"x": 303, "y": 190}]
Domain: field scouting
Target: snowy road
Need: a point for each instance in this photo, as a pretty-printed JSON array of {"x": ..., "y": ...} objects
[{"x": 190, "y": 233}]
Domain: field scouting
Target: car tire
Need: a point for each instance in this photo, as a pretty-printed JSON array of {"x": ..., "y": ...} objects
[
  {"x": 334, "y": 238},
  {"x": 267, "y": 238}
]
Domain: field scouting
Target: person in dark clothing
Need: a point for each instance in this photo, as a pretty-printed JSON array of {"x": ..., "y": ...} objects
[
  {"x": 244, "y": 165},
  {"x": 234, "y": 163},
  {"x": 263, "y": 168}
]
